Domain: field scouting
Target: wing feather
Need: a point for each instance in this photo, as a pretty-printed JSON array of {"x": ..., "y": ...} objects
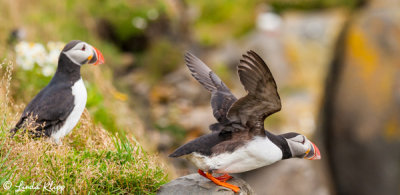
[
  {"x": 262, "y": 99},
  {"x": 200, "y": 71},
  {"x": 221, "y": 96}
]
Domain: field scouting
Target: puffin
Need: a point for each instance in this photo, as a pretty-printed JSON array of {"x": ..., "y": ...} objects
[
  {"x": 238, "y": 141},
  {"x": 57, "y": 108}
]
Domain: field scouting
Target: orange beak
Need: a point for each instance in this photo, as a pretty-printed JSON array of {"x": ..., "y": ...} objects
[
  {"x": 314, "y": 153},
  {"x": 100, "y": 58}
]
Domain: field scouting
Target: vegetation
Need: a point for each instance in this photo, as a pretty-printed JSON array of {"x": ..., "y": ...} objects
[
  {"x": 91, "y": 160},
  {"x": 98, "y": 157},
  {"x": 280, "y": 6}
]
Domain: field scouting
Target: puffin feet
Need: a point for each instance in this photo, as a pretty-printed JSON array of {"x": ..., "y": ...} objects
[
  {"x": 224, "y": 177},
  {"x": 221, "y": 181}
]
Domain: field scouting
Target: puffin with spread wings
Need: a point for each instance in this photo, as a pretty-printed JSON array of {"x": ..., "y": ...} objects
[{"x": 238, "y": 141}]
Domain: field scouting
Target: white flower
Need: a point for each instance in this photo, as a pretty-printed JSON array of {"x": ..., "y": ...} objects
[
  {"x": 52, "y": 57},
  {"x": 21, "y": 47},
  {"x": 25, "y": 61},
  {"x": 55, "y": 45},
  {"x": 152, "y": 14},
  {"x": 269, "y": 21},
  {"x": 38, "y": 53},
  {"x": 139, "y": 22},
  {"x": 29, "y": 54},
  {"x": 48, "y": 70}
]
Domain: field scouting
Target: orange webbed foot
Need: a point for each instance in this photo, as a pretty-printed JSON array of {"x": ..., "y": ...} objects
[
  {"x": 220, "y": 183},
  {"x": 224, "y": 177}
]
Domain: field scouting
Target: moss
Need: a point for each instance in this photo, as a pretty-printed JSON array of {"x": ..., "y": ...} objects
[
  {"x": 101, "y": 114},
  {"x": 222, "y": 20},
  {"x": 281, "y": 6}
]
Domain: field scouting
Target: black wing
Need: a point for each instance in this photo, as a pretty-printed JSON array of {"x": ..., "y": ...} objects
[
  {"x": 48, "y": 110},
  {"x": 262, "y": 99},
  {"x": 221, "y": 96},
  {"x": 202, "y": 145},
  {"x": 214, "y": 143}
]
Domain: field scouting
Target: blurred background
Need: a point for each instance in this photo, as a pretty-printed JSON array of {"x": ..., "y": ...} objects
[{"x": 336, "y": 64}]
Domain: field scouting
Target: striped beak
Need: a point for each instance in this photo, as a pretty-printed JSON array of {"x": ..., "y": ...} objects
[
  {"x": 313, "y": 153},
  {"x": 97, "y": 58}
]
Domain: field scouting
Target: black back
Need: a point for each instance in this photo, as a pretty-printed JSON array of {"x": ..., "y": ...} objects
[
  {"x": 209, "y": 144},
  {"x": 49, "y": 109},
  {"x": 227, "y": 141}
]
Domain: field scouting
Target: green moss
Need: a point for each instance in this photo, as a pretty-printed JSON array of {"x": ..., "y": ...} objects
[
  {"x": 280, "y": 6},
  {"x": 27, "y": 84},
  {"x": 222, "y": 20},
  {"x": 100, "y": 113}
]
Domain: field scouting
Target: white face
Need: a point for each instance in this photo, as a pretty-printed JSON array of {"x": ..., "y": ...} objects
[
  {"x": 81, "y": 53},
  {"x": 299, "y": 145}
]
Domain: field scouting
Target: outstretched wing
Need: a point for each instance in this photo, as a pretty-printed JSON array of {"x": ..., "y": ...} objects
[
  {"x": 221, "y": 96},
  {"x": 262, "y": 99}
]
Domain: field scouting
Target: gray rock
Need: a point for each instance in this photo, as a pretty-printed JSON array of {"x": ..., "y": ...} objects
[
  {"x": 288, "y": 177},
  {"x": 360, "y": 114},
  {"x": 197, "y": 184}
]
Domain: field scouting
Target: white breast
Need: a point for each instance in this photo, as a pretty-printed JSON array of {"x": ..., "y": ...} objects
[
  {"x": 80, "y": 97},
  {"x": 257, "y": 153}
]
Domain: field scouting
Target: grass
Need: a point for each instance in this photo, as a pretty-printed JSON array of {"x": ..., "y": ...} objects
[{"x": 91, "y": 160}]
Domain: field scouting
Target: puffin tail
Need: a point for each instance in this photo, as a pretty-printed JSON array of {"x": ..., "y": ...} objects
[
  {"x": 179, "y": 152},
  {"x": 174, "y": 155}
]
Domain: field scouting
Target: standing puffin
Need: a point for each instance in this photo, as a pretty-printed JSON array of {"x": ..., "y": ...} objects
[
  {"x": 238, "y": 141},
  {"x": 56, "y": 109}
]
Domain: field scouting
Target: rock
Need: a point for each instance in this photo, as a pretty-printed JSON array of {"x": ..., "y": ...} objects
[
  {"x": 298, "y": 54},
  {"x": 194, "y": 118},
  {"x": 309, "y": 39},
  {"x": 197, "y": 184},
  {"x": 292, "y": 176},
  {"x": 360, "y": 116}
]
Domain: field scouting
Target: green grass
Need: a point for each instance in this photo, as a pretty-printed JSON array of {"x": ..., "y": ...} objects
[
  {"x": 90, "y": 161},
  {"x": 123, "y": 170},
  {"x": 118, "y": 167},
  {"x": 6, "y": 165},
  {"x": 280, "y": 6}
]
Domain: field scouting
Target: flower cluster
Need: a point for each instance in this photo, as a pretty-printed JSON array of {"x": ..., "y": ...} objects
[{"x": 30, "y": 54}]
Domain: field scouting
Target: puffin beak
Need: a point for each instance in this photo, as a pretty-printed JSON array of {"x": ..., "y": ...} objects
[
  {"x": 97, "y": 58},
  {"x": 313, "y": 153}
]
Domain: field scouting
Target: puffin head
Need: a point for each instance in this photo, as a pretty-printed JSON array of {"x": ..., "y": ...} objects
[
  {"x": 301, "y": 147},
  {"x": 81, "y": 53}
]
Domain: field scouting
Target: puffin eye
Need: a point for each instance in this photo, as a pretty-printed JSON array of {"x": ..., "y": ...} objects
[{"x": 83, "y": 48}]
